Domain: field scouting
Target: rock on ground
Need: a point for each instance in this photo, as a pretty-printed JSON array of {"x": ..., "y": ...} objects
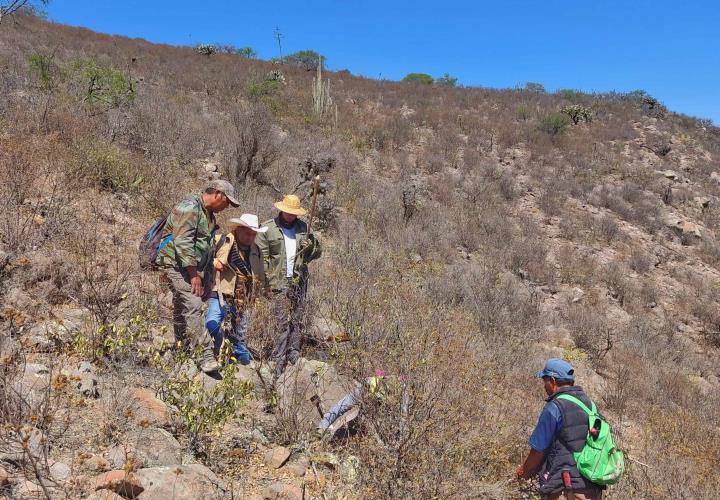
[
  {"x": 155, "y": 447},
  {"x": 147, "y": 409},
  {"x": 181, "y": 482},
  {"x": 125, "y": 484},
  {"x": 277, "y": 457},
  {"x": 307, "y": 378}
]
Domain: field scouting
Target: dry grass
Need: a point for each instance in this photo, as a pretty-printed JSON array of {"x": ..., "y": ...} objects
[{"x": 451, "y": 293}]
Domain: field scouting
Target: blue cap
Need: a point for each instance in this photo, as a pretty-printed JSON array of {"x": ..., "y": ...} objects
[{"x": 559, "y": 369}]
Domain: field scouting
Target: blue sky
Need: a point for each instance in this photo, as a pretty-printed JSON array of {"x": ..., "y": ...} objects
[{"x": 669, "y": 48}]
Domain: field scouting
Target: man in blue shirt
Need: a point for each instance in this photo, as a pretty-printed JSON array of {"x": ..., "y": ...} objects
[{"x": 561, "y": 430}]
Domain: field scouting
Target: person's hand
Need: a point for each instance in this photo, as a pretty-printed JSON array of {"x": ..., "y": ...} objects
[
  {"x": 520, "y": 472},
  {"x": 218, "y": 265},
  {"x": 196, "y": 286}
]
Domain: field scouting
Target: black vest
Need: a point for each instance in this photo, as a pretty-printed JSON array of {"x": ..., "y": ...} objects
[{"x": 570, "y": 439}]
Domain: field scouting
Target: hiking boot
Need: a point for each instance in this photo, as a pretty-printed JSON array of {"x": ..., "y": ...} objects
[{"x": 208, "y": 363}]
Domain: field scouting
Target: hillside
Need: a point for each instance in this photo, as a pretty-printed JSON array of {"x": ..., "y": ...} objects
[{"x": 470, "y": 234}]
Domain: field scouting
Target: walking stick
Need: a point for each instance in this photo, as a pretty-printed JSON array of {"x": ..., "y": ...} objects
[{"x": 313, "y": 206}]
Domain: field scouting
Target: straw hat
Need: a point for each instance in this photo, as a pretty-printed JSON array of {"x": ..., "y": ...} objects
[
  {"x": 247, "y": 220},
  {"x": 290, "y": 204}
]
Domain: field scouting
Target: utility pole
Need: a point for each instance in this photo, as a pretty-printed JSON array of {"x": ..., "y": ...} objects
[{"x": 278, "y": 36}]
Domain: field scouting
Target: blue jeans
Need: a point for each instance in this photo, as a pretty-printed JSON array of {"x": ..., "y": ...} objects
[{"x": 214, "y": 320}]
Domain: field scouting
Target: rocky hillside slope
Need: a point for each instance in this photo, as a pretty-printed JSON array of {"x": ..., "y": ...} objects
[{"x": 471, "y": 233}]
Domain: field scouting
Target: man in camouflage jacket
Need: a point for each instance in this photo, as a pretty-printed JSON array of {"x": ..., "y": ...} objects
[{"x": 186, "y": 262}]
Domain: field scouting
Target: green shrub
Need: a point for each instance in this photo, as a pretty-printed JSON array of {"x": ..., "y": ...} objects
[
  {"x": 98, "y": 85},
  {"x": 421, "y": 78},
  {"x": 555, "y": 123},
  {"x": 534, "y": 87},
  {"x": 571, "y": 95},
  {"x": 306, "y": 59},
  {"x": 446, "y": 81},
  {"x": 104, "y": 165},
  {"x": 523, "y": 112},
  {"x": 578, "y": 113},
  {"x": 247, "y": 52},
  {"x": 43, "y": 70},
  {"x": 269, "y": 85}
]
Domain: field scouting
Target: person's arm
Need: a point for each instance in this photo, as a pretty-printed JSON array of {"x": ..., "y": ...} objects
[
  {"x": 549, "y": 423},
  {"x": 531, "y": 465}
]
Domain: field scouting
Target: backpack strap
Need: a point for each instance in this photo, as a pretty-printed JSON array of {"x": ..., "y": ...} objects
[{"x": 569, "y": 397}]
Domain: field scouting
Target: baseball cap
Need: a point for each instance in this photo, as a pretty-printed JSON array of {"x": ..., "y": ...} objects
[
  {"x": 226, "y": 188},
  {"x": 559, "y": 369}
]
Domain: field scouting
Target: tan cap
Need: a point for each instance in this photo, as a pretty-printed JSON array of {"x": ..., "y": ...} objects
[
  {"x": 290, "y": 204},
  {"x": 226, "y": 188}
]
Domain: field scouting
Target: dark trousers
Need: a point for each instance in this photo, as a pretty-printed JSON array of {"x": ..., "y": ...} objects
[{"x": 288, "y": 308}]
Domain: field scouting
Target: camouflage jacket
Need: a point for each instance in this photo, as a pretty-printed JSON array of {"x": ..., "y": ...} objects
[
  {"x": 272, "y": 247},
  {"x": 193, "y": 229}
]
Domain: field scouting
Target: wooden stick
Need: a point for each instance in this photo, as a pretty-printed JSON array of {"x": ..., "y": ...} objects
[{"x": 316, "y": 186}]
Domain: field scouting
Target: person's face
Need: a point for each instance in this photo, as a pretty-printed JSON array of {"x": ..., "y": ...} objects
[
  {"x": 245, "y": 236},
  {"x": 288, "y": 218},
  {"x": 218, "y": 202},
  {"x": 550, "y": 385}
]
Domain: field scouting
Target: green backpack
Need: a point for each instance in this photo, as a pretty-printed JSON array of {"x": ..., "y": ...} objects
[{"x": 599, "y": 461}]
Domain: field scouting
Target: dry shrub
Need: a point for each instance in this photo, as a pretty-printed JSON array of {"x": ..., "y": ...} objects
[{"x": 591, "y": 331}]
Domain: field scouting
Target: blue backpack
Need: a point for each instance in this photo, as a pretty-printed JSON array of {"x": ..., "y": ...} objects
[{"x": 152, "y": 243}]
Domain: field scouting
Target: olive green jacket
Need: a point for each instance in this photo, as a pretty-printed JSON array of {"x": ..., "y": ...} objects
[{"x": 272, "y": 247}]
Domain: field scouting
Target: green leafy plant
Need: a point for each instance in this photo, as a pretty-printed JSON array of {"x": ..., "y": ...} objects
[
  {"x": 446, "y": 81},
  {"x": 98, "y": 85},
  {"x": 555, "y": 123},
  {"x": 421, "y": 78},
  {"x": 306, "y": 59},
  {"x": 43, "y": 70},
  {"x": 203, "y": 410}
]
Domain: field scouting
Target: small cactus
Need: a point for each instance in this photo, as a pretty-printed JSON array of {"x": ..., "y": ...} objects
[{"x": 578, "y": 113}]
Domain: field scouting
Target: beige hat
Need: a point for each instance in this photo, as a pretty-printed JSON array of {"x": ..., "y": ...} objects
[
  {"x": 226, "y": 188},
  {"x": 290, "y": 204},
  {"x": 247, "y": 220}
]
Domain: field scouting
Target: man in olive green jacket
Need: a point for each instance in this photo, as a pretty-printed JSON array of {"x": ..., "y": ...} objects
[
  {"x": 287, "y": 248},
  {"x": 186, "y": 262}
]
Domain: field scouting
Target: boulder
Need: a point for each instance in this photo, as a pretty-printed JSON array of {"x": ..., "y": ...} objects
[
  {"x": 327, "y": 330},
  {"x": 284, "y": 491},
  {"x": 27, "y": 489},
  {"x": 277, "y": 457},
  {"x": 104, "y": 495},
  {"x": 85, "y": 381},
  {"x": 181, "y": 482},
  {"x": 59, "y": 471},
  {"x": 121, "y": 455},
  {"x": 146, "y": 409},
  {"x": 125, "y": 484},
  {"x": 155, "y": 447},
  {"x": 14, "y": 445},
  {"x": 4, "y": 478},
  {"x": 298, "y": 385},
  {"x": 299, "y": 467}
]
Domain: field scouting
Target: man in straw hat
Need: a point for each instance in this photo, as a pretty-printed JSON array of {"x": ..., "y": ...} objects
[
  {"x": 186, "y": 261},
  {"x": 287, "y": 248},
  {"x": 239, "y": 280}
]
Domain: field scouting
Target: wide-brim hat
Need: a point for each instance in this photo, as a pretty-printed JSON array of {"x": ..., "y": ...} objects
[
  {"x": 290, "y": 204},
  {"x": 247, "y": 220}
]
